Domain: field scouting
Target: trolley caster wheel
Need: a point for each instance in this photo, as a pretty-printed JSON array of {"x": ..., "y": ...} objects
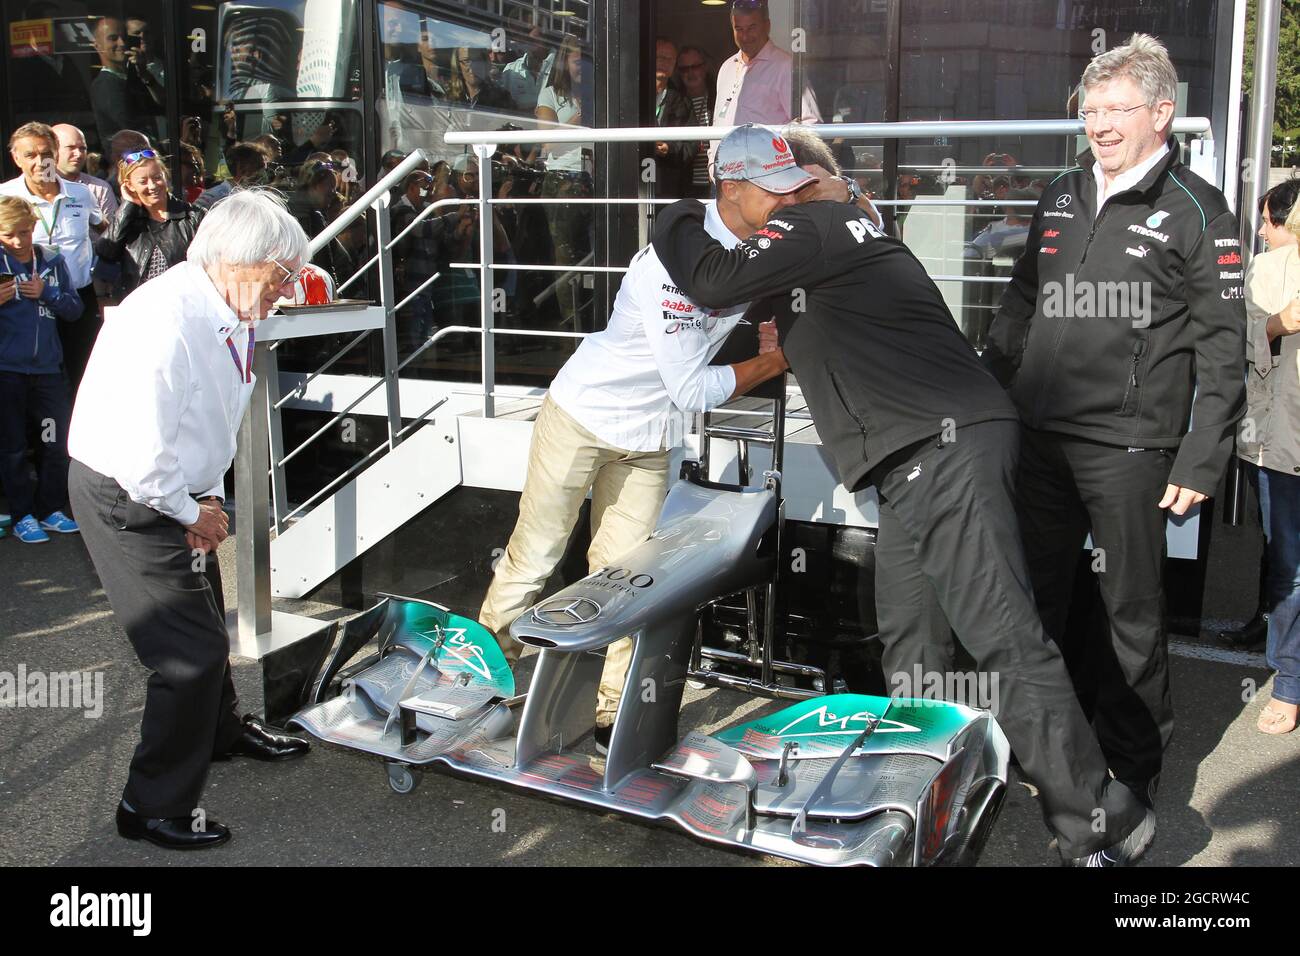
[{"x": 400, "y": 778}]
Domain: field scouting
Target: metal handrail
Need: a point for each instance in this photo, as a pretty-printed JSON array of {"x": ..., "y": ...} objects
[
  {"x": 484, "y": 142},
  {"x": 1196, "y": 125}
]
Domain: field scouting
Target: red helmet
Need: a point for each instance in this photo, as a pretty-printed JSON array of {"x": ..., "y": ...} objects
[{"x": 314, "y": 286}]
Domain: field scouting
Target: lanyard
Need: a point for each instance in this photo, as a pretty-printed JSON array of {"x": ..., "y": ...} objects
[
  {"x": 246, "y": 370},
  {"x": 54, "y": 219}
]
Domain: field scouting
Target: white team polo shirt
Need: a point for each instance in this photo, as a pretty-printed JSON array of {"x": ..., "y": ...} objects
[
  {"x": 64, "y": 223},
  {"x": 635, "y": 383}
]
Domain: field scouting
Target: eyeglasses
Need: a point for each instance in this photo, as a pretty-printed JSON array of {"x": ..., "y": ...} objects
[
  {"x": 134, "y": 157},
  {"x": 1091, "y": 115},
  {"x": 289, "y": 277}
]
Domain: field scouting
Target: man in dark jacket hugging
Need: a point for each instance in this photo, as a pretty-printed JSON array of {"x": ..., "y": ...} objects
[{"x": 34, "y": 292}]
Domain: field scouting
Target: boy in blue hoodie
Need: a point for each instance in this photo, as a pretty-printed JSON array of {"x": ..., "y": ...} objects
[{"x": 34, "y": 292}]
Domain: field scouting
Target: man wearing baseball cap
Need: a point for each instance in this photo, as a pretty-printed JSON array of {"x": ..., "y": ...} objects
[
  {"x": 901, "y": 402},
  {"x": 624, "y": 400}
]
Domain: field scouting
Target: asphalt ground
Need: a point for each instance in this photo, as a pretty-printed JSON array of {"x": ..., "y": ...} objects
[{"x": 1227, "y": 797}]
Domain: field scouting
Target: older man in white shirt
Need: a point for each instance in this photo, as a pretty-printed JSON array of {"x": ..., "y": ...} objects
[
  {"x": 756, "y": 85},
  {"x": 152, "y": 435},
  {"x": 620, "y": 404}
]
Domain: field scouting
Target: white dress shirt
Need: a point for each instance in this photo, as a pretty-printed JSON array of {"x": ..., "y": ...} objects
[
  {"x": 633, "y": 384},
  {"x": 63, "y": 223},
  {"x": 161, "y": 400},
  {"x": 1125, "y": 180}
]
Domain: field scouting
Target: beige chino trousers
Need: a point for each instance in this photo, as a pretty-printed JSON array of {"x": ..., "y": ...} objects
[{"x": 565, "y": 461}]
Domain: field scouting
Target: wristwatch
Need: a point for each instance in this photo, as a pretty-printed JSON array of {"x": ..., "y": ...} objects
[{"x": 855, "y": 190}]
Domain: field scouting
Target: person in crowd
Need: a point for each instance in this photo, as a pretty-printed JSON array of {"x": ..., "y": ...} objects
[
  {"x": 1105, "y": 403},
  {"x": 1274, "y": 207},
  {"x": 36, "y": 293},
  {"x": 66, "y": 217},
  {"x": 901, "y": 402},
  {"x": 124, "y": 141},
  {"x": 314, "y": 203},
  {"x": 194, "y": 173},
  {"x": 330, "y": 134},
  {"x": 272, "y": 146},
  {"x": 144, "y": 59},
  {"x": 119, "y": 94},
  {"x": 756, "y": 84},
  {"x": 567, "y": 173},
  {"x": 698, "y": 87},
  {"x": 608, "y": 425},
  {"x": 72, "y": 162},
  {"x": 1005, "y": 236},
  {"x": 470, "y": 86},
  {"x": 247, "y": 163},
  {"x": 416, "y": 256},
  {"x": 524, "y": 77},
  {"x": 153, "y": 228},
  {"x": 1269, "y": 439},
  {"x": 672, "y": 160},
  {"x": 152, "y": 435}
]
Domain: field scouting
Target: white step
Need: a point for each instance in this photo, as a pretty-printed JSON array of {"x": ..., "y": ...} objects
[{"x": 363, "y": 512}]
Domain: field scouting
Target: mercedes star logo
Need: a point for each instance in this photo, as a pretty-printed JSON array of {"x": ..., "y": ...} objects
[
  {"x": 566, "y": 612},
  {"x": 1063, "y": 201}
]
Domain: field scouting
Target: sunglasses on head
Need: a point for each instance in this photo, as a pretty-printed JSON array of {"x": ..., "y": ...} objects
[{"x": 137, "y": 155}]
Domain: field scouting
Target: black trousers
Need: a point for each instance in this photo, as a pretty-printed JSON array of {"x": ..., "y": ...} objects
[
  {"x": 169, "y": 603},
  {"x": 949, "y": 552},
  {"x": 1066, "y": 488},
  {"x": 39, "y": 401},
  {"x": 78, "y": 338}
]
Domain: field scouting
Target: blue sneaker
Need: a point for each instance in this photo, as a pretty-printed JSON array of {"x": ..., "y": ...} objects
[
  {"x": 58, "y": 521},
  {"x": 29, "y": 532}
]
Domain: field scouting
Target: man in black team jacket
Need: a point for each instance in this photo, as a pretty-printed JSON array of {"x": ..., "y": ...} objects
[
  {"x": 900, "y": 401},
  {"x": 1123, "y": 317}
]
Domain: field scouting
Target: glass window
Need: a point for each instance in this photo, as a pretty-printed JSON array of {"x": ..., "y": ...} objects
[
  {"x": 100, "y": 68},
  {"x": 526, "y": 69},
  {"x": 284, "y": 77},
  {"x": 981, "y": 60}
]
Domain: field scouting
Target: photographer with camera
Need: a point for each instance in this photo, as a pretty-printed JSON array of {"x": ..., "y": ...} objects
[{"x": 125, "y": 93}]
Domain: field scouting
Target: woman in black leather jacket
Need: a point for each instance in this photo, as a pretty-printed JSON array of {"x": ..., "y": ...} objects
[{"x": 153, "y": 229}]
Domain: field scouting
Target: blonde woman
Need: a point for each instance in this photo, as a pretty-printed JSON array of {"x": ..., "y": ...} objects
[
  {"x": 153, "y": 228},
  {"x": 1270, "y": 438}
]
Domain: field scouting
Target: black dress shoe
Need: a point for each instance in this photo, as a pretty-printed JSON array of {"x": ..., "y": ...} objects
[
  {"x": 1254, "y": 634},
  {"x": 170, "y": 833},
  {"x": 261, "y": 743}
]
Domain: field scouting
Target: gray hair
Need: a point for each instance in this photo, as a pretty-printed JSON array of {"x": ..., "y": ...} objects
[
  {"x": 248, "y": 227},
  {"x": 1144, "y": 60},
  {"x": 810, "y": 149}
]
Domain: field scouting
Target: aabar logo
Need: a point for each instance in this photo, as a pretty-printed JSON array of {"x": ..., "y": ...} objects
[
  {"x": 677, "y": 306},
  {"x": 1051, "y": 233},
  {"x": 1231, "y": 259}
]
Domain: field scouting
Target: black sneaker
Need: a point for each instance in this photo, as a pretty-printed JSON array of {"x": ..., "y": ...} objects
[
  {"x": 1127, "y": 851},
  {"x": 601, "y": 736}
]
